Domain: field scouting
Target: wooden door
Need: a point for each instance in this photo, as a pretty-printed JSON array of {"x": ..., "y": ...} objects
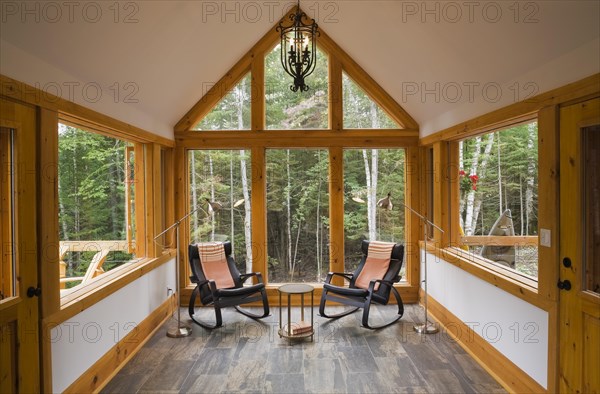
[
  {"x": 19, "y": 332},
  {"x": 579, "y": 343}
]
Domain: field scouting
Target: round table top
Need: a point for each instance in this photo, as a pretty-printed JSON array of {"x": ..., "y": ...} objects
[{"x": 295, "y": 288}]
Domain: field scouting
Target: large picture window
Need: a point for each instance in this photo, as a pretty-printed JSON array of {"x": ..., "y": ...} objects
[
  {"x": 498, "y": 206},
  {"x": 297, "y": 215},
  {"x": 374, "y": 184},
  {"x": 97, "y": 198},
  {"x": 219, "y": 200}
]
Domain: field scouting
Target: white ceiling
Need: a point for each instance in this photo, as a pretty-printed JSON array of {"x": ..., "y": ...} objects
[{"x": 444, "y": 62}]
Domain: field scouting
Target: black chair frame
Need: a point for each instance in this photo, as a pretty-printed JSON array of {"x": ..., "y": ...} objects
[
  {"x": 363, "y": 298},
  {"x": 221, "y": 298}
]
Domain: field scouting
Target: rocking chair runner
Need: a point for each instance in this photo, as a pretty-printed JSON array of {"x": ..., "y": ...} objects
[
  {"x": 218, "y": 282},
  {"x": 372, "y": 282}
]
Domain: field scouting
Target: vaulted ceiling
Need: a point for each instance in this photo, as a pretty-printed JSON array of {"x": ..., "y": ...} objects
[{"x": 444, "y": 62}]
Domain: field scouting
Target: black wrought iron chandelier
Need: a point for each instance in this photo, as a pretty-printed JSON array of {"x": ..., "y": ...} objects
[{"x": 299, "y": 48}]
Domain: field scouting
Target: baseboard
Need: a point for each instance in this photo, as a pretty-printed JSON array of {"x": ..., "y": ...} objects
[
  {"x": 103, "y": 370},
  {"x": 510, "y": 376}
]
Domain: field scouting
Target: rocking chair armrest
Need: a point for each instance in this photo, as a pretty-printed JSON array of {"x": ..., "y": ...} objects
[
  {"x": 195, "y": 280},
  {"x": 382, "y": 281},
  {"x": 245, "y": 277},
  {"x": 330, "y": 275}
]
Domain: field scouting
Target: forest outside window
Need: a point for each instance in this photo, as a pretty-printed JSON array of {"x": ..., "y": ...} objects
[
  {"x": 498, "y": 206},
  {"x": 297, "y": 215},
  {"x": 374, "y": 187},
  {"x": 100, "y": 193},
  {"x": 219, "y": 199}
]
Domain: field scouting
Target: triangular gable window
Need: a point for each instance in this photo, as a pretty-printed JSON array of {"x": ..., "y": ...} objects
[
  {"x": 360, "y": 111},
  {"x": 232, "y": 112},
  {"x": 286, "y": 110}
]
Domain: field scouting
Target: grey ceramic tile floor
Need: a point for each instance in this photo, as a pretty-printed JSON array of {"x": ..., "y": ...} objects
[{"x": 248, "y": 356}]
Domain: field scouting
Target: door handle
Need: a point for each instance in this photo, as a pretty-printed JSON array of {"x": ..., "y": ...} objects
[
  {"x": 564, "y": 285},
  {"x": 34, "y": 291},
  {"x": 567, "y": 262}
]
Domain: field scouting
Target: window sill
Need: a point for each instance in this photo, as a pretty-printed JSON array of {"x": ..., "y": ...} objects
[
  {"x": 104, "y": 285},
  {"x": 521, "y": 286}
]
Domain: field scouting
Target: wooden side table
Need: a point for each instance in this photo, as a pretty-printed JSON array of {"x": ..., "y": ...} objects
[{"x": 301, "y": 329}]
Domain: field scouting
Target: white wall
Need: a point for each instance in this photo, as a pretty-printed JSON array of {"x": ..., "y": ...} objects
[
  {"x": 514, "y": 327},
  {"x": 83, "y": 339}
]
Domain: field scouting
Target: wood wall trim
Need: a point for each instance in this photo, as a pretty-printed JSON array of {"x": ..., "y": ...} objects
[
  {"x": 336, "y": 212},
  {"x": 47, "y": 212},
  {"x": 104, "y": 286},
  {"x": 510, "y": 376},
  {"x": 515, "y": 113},
  {"x": 297, "y": 138},
  {"x": 414, "y": 229},
  {"x": 103, "y": 370},
  {"x": 19, "y": 91}
]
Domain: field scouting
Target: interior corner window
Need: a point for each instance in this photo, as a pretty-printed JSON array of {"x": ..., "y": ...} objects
[
  {"x": 498, "y": 175},
  {"x": 287, "y": 110},
  {"x": 7, "y": 210},
  {"x": 374, "y": 183},
  {"x": 220, "y": 192},
  {"x": 297, "y": 215},
  {"x": 232, "y": 112},
  {"x": 96, "y": 179}
]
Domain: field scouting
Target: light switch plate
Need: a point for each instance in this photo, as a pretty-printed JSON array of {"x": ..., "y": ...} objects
[{"x": 545, "y": 237}]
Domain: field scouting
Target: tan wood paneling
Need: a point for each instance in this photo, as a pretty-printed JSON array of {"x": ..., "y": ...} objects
[
  {"x": 48, "y": 230},
  {"x": 336, "y": 212},
  {"x": 414, "y": 229},
  {"x": 579, "y": 308},
  {"x": 21, "y": 311}
]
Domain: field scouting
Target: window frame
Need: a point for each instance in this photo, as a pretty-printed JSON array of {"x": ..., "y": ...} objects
[
  {"x": 445, "y": 198},
  {"x": 457, "y": 241},
  {"x": 152, "y": 172}
]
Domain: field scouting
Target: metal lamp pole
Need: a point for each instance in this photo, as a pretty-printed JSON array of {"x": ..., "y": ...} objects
[
  {"x": 182, "y": 330},
  {"x": 427, "y": 327}
]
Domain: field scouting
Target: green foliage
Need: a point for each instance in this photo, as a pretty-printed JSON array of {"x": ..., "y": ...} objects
[
  {"x": 91, "y": 177},
  {"x": 226, "y": 182},
  {"x": 287, "y": 110},
  {"x": 232, "y": 112},
  {"x": 360, "y": 111},
  {"x": 509, "y": 181}
]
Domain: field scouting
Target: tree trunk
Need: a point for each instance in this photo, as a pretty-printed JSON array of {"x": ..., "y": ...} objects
[
  {"x": 194, "y": 192},
  {"x": 521, "y": 203},
  {"x": 473, "y": 199},
  {"x": 318, "y": 221},
  {"x": 500, "y": 210},
  {"x": 247, "y": 211},
  {"x": 461, "y": 167},
  {"x": 231, "y": 203},
  {"x": 532, "y": 135},
  {"x": 370, "y": 213},
  {"x": 212, "y": 197},
  {"x": 288, "y": 203},
  {"x": 374, "y": 180}
]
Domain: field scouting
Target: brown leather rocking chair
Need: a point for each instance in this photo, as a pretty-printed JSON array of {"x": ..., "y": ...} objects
[
  {"x": 372, "y": 282},
  {"x": 220, "y": 284}
]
